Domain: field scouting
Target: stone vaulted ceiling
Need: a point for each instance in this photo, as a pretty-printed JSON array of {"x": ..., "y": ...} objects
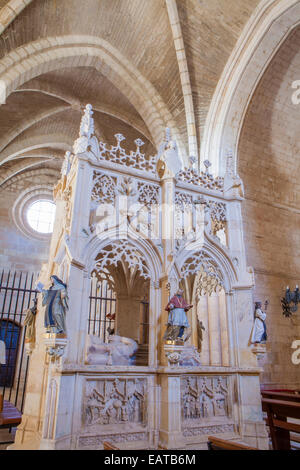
[{"x": 174, "y": 53}]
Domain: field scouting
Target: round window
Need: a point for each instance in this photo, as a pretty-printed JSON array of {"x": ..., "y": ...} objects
[{"x": 40, "y": 216}]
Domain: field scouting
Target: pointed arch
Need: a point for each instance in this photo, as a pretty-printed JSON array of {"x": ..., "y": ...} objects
[
  {"x": 195, "y": 255},
  {"x": 267, "y": 29},
  {"x": 147, "y": 250}
]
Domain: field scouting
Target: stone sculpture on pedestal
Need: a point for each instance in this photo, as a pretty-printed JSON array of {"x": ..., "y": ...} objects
[
  {"x": 177, "y": 319},
  {"x": 29, "y": 322},
  {"x": 259, "y": 332},
  {"x": 56, "y": 300}
]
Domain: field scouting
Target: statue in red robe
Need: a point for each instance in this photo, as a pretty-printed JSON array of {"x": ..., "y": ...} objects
[{"x": 177, "y": 319}]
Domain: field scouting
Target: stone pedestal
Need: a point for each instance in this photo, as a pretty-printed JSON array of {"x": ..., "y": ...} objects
[
  {"x": 259, "y": 350},
  {"x": 172, "y": 353},
  {"x": 178, "y": 354}
]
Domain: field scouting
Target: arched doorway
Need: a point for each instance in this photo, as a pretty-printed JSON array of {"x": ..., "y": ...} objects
[
  {"x": 119, "y": 299},
  {"x": 10, "y": 334}
]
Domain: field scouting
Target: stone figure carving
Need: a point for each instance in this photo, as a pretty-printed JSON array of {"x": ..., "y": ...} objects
[
  {"x": 118, "y": 351},
  {"x": 115, "y": 402},
  {"x": 56, "y": 301},
  {"x": 29, "y": 322},
  {"x": 259, "y": 332},
  {"x": 169, "y": 163},
  {"x": 204, "y": 397},
  {"x": 177, "y": 319}
]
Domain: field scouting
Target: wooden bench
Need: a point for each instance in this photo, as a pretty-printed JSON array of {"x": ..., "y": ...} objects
[
  {"x": 10, "y": 415},
  {"x": 278, "y": 410},
  {"x": 278, "y": 395},
  {"x": 215, "y": 443},
  {"x": 108, "y": 446}
]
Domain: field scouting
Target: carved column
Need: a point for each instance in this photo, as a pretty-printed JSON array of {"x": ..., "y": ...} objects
[
  {"x": 170, "y": 435},
  {"x": 163, "y": 319},
  {"x": 168, "y": 200},
  {"x": 214, "y": 330},
  {"x": 231, "y": 328},
  {"x": 202, "y": 311},
  {"x": 223, "y": 328},
  {"x": 154, "y": 323}
]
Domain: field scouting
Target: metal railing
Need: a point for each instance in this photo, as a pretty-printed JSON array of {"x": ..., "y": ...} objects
[{"x": 16, "y": 295}]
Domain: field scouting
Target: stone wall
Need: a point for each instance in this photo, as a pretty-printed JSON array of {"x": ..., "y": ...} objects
[
  {"x": 268, "y": 151},
  {"x": 17, "y": 251}
]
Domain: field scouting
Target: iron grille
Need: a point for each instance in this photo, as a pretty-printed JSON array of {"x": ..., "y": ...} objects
[{"x": 16, "y": 295}]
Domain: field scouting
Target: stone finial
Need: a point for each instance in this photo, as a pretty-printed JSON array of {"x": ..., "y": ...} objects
[
  {"x": 66, "y": 166},
  {"x": 87, "y": 123},
  {"x": 193, "y": 161},
  {"x": 86, "y": 137},
  {"x": 207, "y": 164}
]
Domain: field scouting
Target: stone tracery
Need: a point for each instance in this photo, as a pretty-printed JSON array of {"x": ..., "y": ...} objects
[
  {"x": 136, "y": 265},
  {"x": 122, "y": 251}
]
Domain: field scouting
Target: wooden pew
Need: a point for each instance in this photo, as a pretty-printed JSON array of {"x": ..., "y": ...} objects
[
  {"x": 215, "y": 443},
  {"x": 278, "y": 411},
  {"x": 108, "y": 446},
  {"x": 10, "y": 415},
  {"x": 278, "y": 395}
]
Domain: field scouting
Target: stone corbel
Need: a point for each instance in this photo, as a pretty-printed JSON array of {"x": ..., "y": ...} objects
[
  {"x": 55, "y": 345},
  {"x": 259, "y": 349},
  {"x": 172, "y": 354}
]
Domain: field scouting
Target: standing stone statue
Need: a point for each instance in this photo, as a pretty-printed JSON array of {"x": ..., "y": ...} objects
[
  {"x": 29, "y": 322},
  {"x": 56, "y": 301},
  {"x": 177, "y": 319},
  {"x": 259, "y": 332},
  {"x": 169, "y": 162}
]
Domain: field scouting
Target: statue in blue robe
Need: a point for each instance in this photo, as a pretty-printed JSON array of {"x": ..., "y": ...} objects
[{"x": 56, "y": 300}]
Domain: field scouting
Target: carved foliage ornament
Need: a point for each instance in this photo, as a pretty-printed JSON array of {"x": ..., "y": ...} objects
[
  {"x": 204, "y": 179},
  {"x": 218, "y": 215},
  {"x": 148, "y": 194},
  {"x": 183, "y": 201},
  {"x": 136, "y": 159},
  {"x": 122, "y": 251},
  {"x": 104, "y": 188},
  {"x": 114, "y": 153},
  {"x": 202, "y": 262},
  {"x": 207, "y": 283}
]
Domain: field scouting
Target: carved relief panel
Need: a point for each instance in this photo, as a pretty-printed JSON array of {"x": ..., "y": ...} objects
[
  {"x": 115, "y": 401},
  {"x": 204, "y": 398}
]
